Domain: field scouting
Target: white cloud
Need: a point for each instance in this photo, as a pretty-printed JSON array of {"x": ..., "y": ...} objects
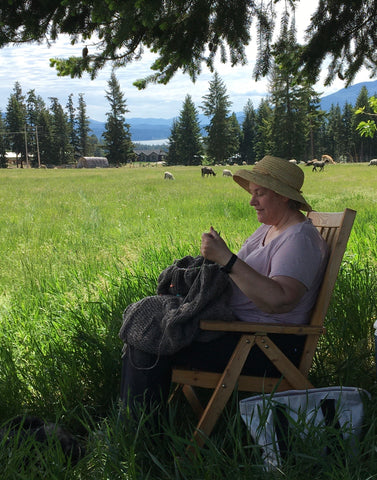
[{"x": 29, "y": 65}]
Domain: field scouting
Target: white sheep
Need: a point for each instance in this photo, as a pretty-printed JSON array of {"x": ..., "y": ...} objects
[
  {"x": 373, "y": 162},
  {"x": 293, "y": 160},
  {"x": 227, "y": 173},
  {"x": 168, "y": 176}
]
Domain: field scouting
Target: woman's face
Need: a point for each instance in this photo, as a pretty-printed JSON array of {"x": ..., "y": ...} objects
[{"x": 270, "y": 206}]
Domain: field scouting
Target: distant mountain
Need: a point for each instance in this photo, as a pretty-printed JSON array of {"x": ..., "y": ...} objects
[
  {"x": 141, "y": 128},
  {"x": 348, "y": 94},
  {"x": 160, "y": 128}
]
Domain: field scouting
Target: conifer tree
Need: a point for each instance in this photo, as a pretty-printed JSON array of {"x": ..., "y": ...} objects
[
  {"x": 187, "y": 137},
  {"x": 72, "y": 126},
  {"x": 46, "y": 138},
  {"x": 295, "y": 103},
  {"x": 15, "y": 120},
  {"x": 184, "y": 34},
  {"x": 216, "y": 106},
  {"x": 173, "y": 156},
  {"x": 363, "y": 145},
  {"x": 61, "y": 148},
  {"x": 3, "y": 159},
  {"x": 247, "y": 146},
  {"x": 235, "y": 136},
  {"x": 263, "y": 130},
  {"x": 34, "y": 106},
  {"x": 118, "y": 144},
  {"x": 83, "y": 128},
  {"x": 346, "y": 152},
  {"x": 334, "y": 131}
]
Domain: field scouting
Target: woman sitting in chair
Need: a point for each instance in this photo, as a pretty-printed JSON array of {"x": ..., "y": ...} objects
[{"x": 275, "y": 278}]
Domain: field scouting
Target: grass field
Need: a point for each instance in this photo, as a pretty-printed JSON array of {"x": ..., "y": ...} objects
[{"x": 77, "y": 246}]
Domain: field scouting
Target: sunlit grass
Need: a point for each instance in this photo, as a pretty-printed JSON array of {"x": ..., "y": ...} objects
[{"x": 79, "y": 245}]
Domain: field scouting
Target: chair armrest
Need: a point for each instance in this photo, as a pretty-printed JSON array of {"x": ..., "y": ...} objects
[{"x": 260, "y": 328}]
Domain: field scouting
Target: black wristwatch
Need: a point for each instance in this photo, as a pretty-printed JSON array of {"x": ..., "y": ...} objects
[{"x": 228, "y": 267}]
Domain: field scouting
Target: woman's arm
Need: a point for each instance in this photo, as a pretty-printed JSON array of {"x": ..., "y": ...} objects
[{"x": 279, "y": 294}]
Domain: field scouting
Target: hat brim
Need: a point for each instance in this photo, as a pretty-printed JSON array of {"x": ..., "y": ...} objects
[{"x": 244, "y": 177}]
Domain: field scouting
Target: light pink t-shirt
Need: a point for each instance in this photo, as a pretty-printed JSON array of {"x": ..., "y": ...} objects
[{"x": 299, "y": 252}]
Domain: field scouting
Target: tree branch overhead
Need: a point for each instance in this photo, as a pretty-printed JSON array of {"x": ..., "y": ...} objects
[{"x": 187, "y": 33}]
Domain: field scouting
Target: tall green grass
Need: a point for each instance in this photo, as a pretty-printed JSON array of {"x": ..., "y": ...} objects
[{"x": 77, "y": 246}]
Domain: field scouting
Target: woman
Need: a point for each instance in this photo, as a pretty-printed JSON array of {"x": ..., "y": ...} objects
[
  {"x": 275, "y": 279},
  {"x": 279, "y": 269}
]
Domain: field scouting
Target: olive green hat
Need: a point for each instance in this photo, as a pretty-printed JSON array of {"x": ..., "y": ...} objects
[{"x": 276, "y": 174}]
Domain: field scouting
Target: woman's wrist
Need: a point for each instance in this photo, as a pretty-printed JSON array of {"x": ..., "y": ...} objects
[{"x": 227, "y": 268}]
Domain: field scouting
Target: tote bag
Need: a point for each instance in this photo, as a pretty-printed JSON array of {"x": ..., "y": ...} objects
[{"x": 273, "y": 419}]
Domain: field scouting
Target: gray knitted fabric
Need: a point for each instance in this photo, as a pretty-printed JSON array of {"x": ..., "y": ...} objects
[{"x": 188, "y": 291}]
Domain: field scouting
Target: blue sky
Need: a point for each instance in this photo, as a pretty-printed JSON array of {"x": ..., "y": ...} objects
[{"x": 29, "y": 65}]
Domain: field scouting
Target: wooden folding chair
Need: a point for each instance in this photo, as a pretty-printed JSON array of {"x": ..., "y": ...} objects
[{"x": 335, "y": 229}]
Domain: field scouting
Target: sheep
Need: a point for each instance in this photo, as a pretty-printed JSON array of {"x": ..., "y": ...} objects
[
  {"x": 321, "y": 165},
  {"x": 309, "y": 163},
  {"x": 168, "y": 176},
  {"x": 293, "y": 160},
  {"x": 208, "y": 171},
  {"x": 227, "y": 173},
  {"x": 318, "y": 165},
  {"x": 328, "y": 159},
  {"x": 373, "y": 162}
]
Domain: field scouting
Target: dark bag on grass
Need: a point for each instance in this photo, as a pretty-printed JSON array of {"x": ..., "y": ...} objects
[{"x": 277, "y": 419}]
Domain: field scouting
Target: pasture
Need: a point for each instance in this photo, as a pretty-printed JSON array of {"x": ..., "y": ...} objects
[{"x": 77, "y": 246}]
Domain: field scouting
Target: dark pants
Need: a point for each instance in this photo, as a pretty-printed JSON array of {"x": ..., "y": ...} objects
[{"x": 147, "y": 377}]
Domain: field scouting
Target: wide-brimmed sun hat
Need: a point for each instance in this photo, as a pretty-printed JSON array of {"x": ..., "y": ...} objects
[{"x": 276, "y": 174}]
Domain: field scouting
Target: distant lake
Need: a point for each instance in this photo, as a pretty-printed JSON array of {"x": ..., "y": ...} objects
[{"x": 161, "y": 141}]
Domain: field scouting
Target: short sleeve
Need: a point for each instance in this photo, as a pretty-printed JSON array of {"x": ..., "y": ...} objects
[{"x": 299, "y": 257}]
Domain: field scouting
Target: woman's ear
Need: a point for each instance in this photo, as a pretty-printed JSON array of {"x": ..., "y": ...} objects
[{"x": 284, "y": 199}]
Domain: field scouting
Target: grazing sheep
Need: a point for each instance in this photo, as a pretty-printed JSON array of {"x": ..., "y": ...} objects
[
  {"x": 327, "y": 159},
  {"x": 227, "y": 173},
  {"x": 373, "y": 162},
  {"x": 168, "y": 176},
  {"x": 318, "y": 166},
  {"x": 293, "y": 160},
  {"x": 208, "y": 171}
]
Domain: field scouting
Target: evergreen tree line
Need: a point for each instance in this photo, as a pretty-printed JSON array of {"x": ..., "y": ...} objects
[
  {"x": 288, "y": 123},
  {"x": 53, "y": 135}
]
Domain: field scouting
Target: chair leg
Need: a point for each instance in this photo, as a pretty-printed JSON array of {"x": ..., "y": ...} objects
[
  {"x": 193, "y": 400},
  {"x": 190, "y": 396},
  {"x": 291, "y": 373},
  {"x": 224, "y": 389},
  {"x": 176, "y": 389}
]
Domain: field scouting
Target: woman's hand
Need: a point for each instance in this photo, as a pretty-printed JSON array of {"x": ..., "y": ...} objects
[
  {"x": 271, "y": 295},
  {"x": 214, "y": 248}
]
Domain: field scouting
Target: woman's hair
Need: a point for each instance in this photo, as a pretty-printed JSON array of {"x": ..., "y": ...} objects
[{"x": 294, "y": 204}]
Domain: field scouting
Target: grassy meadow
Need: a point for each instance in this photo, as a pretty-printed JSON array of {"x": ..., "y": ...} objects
[{"x": 78, "y": 246}]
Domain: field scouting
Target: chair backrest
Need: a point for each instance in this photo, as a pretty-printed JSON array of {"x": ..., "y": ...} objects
[{"x": 335, "y": 228}]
